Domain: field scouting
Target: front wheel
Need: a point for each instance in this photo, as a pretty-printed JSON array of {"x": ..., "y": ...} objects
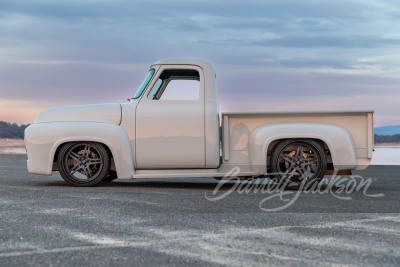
[
  {"x": 298, "y": 163},
  {"x": 83, "y": 163}
]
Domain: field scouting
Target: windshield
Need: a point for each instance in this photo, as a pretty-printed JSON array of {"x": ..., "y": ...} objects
[{"x": 144, "y": 84}]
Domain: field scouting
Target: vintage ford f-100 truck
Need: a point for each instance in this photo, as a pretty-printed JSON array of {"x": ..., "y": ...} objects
[{"x": 171, "y": 128}]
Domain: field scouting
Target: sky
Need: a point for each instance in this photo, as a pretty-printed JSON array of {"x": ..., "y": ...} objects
[{"x": 268, "y": 55}]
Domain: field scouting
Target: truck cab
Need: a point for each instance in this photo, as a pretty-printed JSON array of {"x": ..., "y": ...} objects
[{"x": 176, "y": 117}]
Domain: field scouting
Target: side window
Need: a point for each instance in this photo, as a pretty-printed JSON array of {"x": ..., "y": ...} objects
[{"x": 176, "y": 85}]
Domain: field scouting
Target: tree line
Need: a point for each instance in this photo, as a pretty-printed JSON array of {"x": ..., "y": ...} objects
[
  {"x": 395, "y": 138},
  {"x": 12, "y": 130}
]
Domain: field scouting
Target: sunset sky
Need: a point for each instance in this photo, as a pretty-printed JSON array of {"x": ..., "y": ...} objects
[{"x": 268, "y": 55}]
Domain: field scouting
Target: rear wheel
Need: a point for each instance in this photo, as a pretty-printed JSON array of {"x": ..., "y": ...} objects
[
  {"x": 83, "y": 163},
  {"x": 296, "y": 162}
]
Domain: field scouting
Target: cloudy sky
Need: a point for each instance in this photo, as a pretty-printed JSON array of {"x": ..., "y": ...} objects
[{"x": 269, "y": 55}]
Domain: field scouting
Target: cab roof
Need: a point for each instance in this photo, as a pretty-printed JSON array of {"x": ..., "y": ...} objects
[{"x": 204, "y": 64}]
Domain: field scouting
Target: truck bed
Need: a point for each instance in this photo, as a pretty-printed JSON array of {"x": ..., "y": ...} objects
[{"x": 237, "y": 127}]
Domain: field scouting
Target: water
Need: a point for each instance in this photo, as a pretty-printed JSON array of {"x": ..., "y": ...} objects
[
  {"x": 386, "y": 156},
  {"x": 381, "y": 156},
  {"x": 13, "y": 149}
]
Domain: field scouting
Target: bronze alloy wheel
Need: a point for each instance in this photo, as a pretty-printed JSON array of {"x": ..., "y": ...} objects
[
  {"x": 83, "y": 163},
  {"x": 296, "y": 162}
]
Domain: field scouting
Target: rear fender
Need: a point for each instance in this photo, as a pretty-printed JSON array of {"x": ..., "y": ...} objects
[{"x": 337, "y": 138}]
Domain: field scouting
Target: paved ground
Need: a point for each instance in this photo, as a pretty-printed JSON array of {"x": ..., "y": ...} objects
[{"x": 170, "y": 222}]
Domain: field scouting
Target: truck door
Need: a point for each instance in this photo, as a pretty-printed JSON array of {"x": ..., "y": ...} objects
[{"x": 170, "y": 120}]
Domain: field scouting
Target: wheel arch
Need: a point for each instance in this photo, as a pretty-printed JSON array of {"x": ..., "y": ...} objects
[{"x": 336, "y": 138}]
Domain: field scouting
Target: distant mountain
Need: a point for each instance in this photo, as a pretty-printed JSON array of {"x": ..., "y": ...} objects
[
  {"x": 387, "y": 130},
  {"x": 12, "y": 130}
]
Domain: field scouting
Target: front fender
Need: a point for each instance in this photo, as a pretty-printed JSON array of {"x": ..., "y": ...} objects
[
  {"x": 337, "y": 138},
  {"x": 43, "y": 139}
]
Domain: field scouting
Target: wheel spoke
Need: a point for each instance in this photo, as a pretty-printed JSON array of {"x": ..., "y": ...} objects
[
  {"x": 290, "y": 170},
  {"x": 94, "y": 161},
  {"x": 87, "y": 150},
  {"x": 77, "y": 167},
  {"x": 86, "y": 171},
  {"x": 309, "y": 161},
  {"x": 299, "y": 151},
  {"x": 287, "y": 158},
  {"x": 74, "y": 156},
  {"x": 303, "y": 172}
]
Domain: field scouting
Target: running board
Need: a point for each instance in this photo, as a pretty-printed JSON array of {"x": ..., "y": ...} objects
[{"x": 184, "y": 174}]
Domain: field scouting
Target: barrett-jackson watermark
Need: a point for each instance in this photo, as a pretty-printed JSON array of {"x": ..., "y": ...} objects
[{"x": 337, "y": 186}]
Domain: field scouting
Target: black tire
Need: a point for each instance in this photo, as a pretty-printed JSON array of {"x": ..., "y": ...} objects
[
  {"x": 83, "y": 163},
  {"x": 111, "y": 176},
  {"x": 298, "y": 162}
]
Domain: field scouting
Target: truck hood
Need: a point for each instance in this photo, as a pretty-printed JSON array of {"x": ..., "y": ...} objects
[{"x": 110, "y": 113}]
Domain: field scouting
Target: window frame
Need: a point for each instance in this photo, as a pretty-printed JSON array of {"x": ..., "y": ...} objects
[
  {"x": 164, "y": 86},
  {"x": 159, "y": 72},
  {"x": 143, "y": 85}
]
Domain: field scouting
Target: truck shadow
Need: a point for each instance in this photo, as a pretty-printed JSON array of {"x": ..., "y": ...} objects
[
  {"x": 194, "y": 185},
  {"x": 208, "y": 185},
  {"x": 169, "y": 185},
  {"x": 143, "y": 184}
]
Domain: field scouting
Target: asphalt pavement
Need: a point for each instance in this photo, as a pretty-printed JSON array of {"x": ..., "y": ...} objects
[{"x": 173, "y": 222}]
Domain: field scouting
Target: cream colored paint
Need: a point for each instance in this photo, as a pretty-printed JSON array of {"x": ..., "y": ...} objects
[
  {"x": 346, "y": 133},
  {"x": 94, "y": 113},
  {"x": 242, "y": 124},
  {"x": 211, "y": 112},
  {"x": 170, "y": 133},
  {"x": 128, "y": 123},
  {"x": 43, "y": 139}
]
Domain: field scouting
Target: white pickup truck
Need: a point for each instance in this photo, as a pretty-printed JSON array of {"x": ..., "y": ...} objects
[{"x": 171, "y": 128}]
